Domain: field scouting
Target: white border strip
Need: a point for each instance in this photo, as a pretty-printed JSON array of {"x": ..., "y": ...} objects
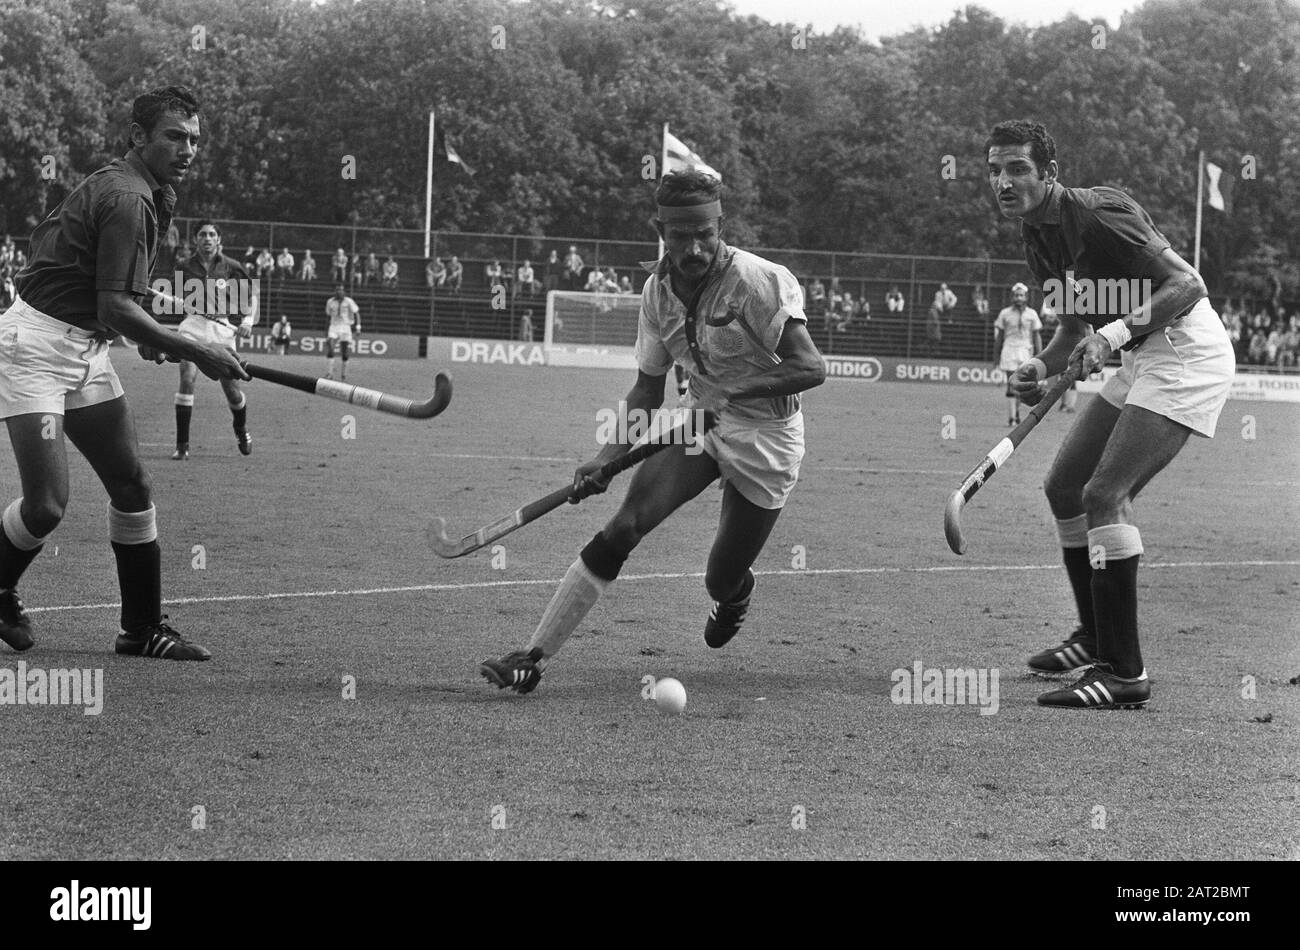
[{"x": 550, "y": 582}]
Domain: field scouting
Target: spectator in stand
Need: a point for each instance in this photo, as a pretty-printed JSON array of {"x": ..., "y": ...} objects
[
  {"x": 980, "y": 301},
  {"x": 493, "y": 275},
  {"x": 611, "y": 281},
  {"x": 7, "y": 291},
  {"x": 250, "y": 261},
  {"x": 356, "y": 269},
  {"x": 308, "y": 269},
  {"x": 847, "y": 311},
  {"x": 551, "y": 272},
  {"x": 372, "y": 269},
  {"x": 526, "y": 328},
  {"x": 455, "y": 274},
  {"x": 436, "y": 275},
  {"x": 816, "y": 300},
  {"x": 864, "y": 308},
  {"x": 1288, "y": 352},
  {"x": 894, "y": 301},
  {"x": 1255, "y": 352},
  {"x": 339, "y": 267},
  {"x": 1272, "y": 346},
  {"x": 281, "y": 334},
  {"x": 390, "y": 273},
  {"x": 7, "y": 249},
  {"x": 525, "y": 280},
  {"x": 595, "y": 281},
  {"x": 573, "y": 267},
  {"x": 265, "y": 263},
  {"x": 945, "y": 301},
  {"x": 625, "y": 285},
  {"x": 284, "y": 264},
  {"x": 834, "y": 300}
]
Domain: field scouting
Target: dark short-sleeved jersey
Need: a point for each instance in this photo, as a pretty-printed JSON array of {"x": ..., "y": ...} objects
[
  {"x": 222, "y": 268},
  {"x": 1098, "y": 234},
  {"x": 103, "y": 236}
]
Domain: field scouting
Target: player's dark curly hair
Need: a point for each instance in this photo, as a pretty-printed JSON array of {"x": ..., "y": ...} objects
[
  {"x": 1042, "y": 147},
  {"x": 686, "y": 188},
  {"x": 150, "y": 107},
  {"x": 206, "y": 223}
]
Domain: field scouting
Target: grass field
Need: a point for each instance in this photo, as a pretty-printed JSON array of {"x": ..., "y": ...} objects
[{"x": 314, "y": 568}]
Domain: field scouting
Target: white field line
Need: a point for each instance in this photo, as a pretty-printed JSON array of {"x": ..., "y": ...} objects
[{"x": 551, "y": 582}]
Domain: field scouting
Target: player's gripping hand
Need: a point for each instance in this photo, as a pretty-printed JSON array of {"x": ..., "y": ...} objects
[
  {"x": 219, "y": 362},
  {"x": 243, "y": 331},
  {"x": 586, "y": 481},
  {"x": 1091, "y": 353},
  {"x": 1026, "y": 383},
  {"x": 155, "y": 355}
]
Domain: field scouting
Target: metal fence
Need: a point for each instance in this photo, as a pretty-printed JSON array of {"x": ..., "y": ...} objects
[{"x": 410, "y": 304}]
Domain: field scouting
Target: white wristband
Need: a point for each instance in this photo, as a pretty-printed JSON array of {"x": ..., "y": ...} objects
[{"x": 1116, "y": 333}]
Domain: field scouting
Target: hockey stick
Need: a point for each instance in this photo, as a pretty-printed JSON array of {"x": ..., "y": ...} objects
[
  {"x": 367, "y": 398},
  {"x": 996, "y": 458},
  {"x": 357, "y": 395},
  {"x": 445, "y": 547}
]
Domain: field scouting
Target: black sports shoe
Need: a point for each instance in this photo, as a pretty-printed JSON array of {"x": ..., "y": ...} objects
[
  {"x": 725, "y": 619},
  {"x": 1074, "y": 654},
  {"x": 182, "y": 452},
  {"x": 160, "y": 642},
  {"x": 1100, "y": 689},
  {"x": 15, "y": 628},
  {"x": 518, "y": 671},
  {"x": 245, "y": 442}
]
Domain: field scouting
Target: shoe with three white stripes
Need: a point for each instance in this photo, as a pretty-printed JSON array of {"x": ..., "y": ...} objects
[
  {"x": 160, "y": 642},
  {"x": 1100, "y": 689},
  {"x": 1076, "y": 653},
  {"x": 520, "y": 671}
]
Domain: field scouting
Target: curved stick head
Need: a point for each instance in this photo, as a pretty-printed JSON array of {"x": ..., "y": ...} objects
[
  {"x": 952, "y": 523},
  {"x": 443, "y": 546},
  {"x": 437, "y": 402}
]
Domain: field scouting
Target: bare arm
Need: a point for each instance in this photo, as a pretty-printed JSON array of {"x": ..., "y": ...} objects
[
  {"x": 801, "y": 368},
  {"x": 1177, "y": 288}
]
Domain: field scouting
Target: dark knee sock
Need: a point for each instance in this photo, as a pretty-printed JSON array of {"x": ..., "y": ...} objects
[
  {"x": 240, "y": 413},
  {"x": 18, "y": 546},
  {"x": 184, "y": 410},
  {"x": 1073, "y": 533},
  {"x": 134, "y": 536},
  {"x": 1114, "y": 597}
]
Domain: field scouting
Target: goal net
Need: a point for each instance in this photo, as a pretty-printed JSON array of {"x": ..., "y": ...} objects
[{"x": 580, "y": 319}]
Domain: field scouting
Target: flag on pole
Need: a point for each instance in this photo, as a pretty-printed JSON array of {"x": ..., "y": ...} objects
[
  {"x": 443, "y": 147},
  {"x": 1218, "y": 187},
  {"x": 679, "y": 158}
]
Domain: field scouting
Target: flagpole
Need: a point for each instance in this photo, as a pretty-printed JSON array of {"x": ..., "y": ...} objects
[
  {"x": 1200, "y": 184},
  {"x": 428, "y": 189},
  {"x": 663, "y": 168}
]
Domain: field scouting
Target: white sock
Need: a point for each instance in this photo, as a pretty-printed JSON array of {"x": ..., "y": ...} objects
[
  {"x": 577, "y": 594},
  {"x": 132, "y": 527},
  {"x": 16, "y": 529}
]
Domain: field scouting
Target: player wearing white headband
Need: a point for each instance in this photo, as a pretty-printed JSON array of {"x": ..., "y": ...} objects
[
  {"x": 737, "y": 321},
  {"x": 1017, "y": 338}
]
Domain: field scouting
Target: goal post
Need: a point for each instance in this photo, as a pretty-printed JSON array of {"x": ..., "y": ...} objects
[{"x": 575, "y": 318}]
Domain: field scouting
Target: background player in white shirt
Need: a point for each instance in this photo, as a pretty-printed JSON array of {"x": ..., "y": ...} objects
[
  {"x": 345, "y": 319},
  {"x": 1017, "y": 338}
]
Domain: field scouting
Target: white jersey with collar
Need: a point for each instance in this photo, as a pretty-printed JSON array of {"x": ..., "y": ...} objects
[{"x": 742, "y": 315}]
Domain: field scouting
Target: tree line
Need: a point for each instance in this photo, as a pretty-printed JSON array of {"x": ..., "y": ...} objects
[{"x": 825, "y": 141}]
